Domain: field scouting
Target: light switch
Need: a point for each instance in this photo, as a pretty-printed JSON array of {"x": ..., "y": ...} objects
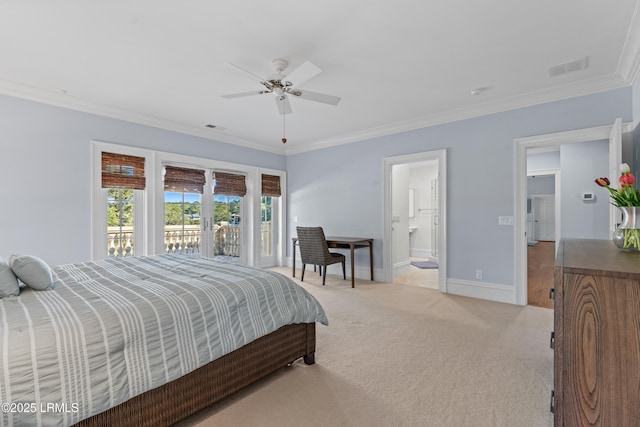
[{"x": 505, "y": 220}]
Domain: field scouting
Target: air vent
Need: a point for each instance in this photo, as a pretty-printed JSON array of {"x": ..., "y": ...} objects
[{"x": 569, "y": 67}]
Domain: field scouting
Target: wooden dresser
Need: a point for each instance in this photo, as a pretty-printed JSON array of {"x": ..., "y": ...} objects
[{"x": 597, "y": 335}]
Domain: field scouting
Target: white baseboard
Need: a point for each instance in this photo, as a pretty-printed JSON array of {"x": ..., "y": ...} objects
[
  {"x": 466, "y": 288},
  {"x": 360, "y": 272},
  {"x": 401, "y": 268},
  {"x": 482, "y": 290},
  {"x": 420, "y": 252}
]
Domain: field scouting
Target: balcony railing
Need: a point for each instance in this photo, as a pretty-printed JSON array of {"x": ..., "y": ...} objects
[
  {"x": 120, "y": 241},
  {"x": 179, "y": 240},
  {"x": 226, "y": 240}
]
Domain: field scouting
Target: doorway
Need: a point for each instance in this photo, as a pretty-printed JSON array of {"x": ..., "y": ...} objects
[
  {"x": 415, "y": 203},
  {"x": 612, "y": 133},
  {"x": 543, "y": 191},
  {"x": 414, "y": 227}
]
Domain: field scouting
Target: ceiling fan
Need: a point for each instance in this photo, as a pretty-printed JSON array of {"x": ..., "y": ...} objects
[{"x": 281, "y": 85}]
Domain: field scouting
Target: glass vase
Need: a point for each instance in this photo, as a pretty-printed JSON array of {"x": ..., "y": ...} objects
[{"x": 627, "y": 236}]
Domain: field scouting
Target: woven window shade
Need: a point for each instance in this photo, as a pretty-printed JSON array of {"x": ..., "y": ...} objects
[
  {"x": 184, "y": 180},
  {"x": 119, "y": 170},
  {"x": 229, "y": 184},
  {"x": 271, "y": 185}
]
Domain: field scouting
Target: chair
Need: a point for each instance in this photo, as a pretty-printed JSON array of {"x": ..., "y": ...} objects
[{"x": 314, "y": 250}]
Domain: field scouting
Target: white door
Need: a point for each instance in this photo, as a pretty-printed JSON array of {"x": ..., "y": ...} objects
[
  {"x": 269, "y": 221},
  {"x": 615, "y": 158},
  {"x": 434, "y": 218},
  {"x": 544, "y": 208}
]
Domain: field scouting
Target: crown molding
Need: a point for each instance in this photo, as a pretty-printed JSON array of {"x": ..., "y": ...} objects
[
  {"x": 586, "y": 87},
  {"x": 629, "y": 64},
  {"x": 60, "y": 99},
  {"x": 558, "y": 93}
]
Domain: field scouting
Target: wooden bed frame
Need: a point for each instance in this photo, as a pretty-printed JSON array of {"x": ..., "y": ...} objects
[{"x": 178, "y": 399}]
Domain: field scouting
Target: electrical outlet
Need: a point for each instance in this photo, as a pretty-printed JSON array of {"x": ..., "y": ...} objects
[{"x": 479, "y": 274}]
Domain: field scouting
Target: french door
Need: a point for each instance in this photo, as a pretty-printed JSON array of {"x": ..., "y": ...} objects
[
  {"x": 269, "y": 230},
  {"x": 182, "y": 223},
  {"x": 226, "y": 228}
]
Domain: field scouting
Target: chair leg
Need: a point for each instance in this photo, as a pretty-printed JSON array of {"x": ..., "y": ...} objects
[
  {"x": 302, "y": 277},
  {"x": 324, "y": 276},
  {"x": 344, "y": 271}
]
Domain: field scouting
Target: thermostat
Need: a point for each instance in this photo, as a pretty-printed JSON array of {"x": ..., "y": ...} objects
[{"x": 588, "y": 197}]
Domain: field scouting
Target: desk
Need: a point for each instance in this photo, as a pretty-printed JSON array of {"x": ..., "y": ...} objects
[{"x": 351, "y": 243}]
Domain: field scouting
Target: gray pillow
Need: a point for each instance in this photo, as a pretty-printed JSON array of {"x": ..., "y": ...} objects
[
  {"x": 9, "y": 285},
  {"x": 32, "y": 271}
]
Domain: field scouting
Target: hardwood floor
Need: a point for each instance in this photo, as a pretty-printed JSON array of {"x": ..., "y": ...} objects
[{"x": 540, "y": 262}]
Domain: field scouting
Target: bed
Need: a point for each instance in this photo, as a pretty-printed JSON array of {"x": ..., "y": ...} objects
[{"x": 146, "y": 340}]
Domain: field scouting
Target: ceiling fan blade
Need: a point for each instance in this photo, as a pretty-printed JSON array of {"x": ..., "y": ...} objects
[
  {"x": 315, "y": 96},
  {"x": 241, "y": 94},
  {"x": 303, "y": 73},
  {"x": 284, "y": 107},
  {"x": 249, "y": 74}
]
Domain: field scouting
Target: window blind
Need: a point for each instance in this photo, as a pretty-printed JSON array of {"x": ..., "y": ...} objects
[
  {"x": 120, "y": 170},
  {"x": 229, "y": 184},
  {"x": 271, "y": 185},
  {"x": 184, "y": 180}
]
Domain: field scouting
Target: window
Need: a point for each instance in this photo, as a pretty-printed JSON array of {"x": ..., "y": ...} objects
[
  {"x": 268, "y": 225},
  {"x": 123, "y": 177},
  {"x": 183, "y": 188},
  {"x": 120, "y": 210},
  {"x": 147, "y": 202},
  {"x": 229, "y": 189}
]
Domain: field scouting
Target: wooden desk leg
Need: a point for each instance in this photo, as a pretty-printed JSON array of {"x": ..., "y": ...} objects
[
  {"x": 371, "y": 259},
  {"x": 353, "y": 277},
  {"x": 293, "y": 246}
]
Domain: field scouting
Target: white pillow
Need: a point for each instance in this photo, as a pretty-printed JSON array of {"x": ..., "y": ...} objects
[
  {"x": 32, "y": 271},
  {"x": 9, "y": 285}
]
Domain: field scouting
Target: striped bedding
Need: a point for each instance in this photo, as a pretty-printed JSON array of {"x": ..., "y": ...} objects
[{"x": 113, "y": 329}]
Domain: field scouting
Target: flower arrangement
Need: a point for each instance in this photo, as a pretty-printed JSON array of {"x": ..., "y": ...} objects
[
  {"x": 627, "y": 236},
  {"x": 627, "y": 194}
]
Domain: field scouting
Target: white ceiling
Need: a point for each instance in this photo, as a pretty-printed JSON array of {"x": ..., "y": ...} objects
[{"x": 397, "y": 65}]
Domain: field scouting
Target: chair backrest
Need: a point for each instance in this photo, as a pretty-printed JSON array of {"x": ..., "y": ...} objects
[{"x": 313, "y": 246}]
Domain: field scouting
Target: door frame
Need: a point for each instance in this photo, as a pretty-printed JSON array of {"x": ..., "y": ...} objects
[
  {"x": 388, "y": 163},
  {"x": 548, "y": 140}
]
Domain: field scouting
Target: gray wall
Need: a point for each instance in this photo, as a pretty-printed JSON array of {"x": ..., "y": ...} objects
[
  {"x": 45, "y": 173},
  {"x": 544, "y": 184},
  {"x": 45, "y": 177},
  {"x": 543, "y": 161},
  {"x": 341, "y": 188},
  {"x": 636, "y": 126},
  {"x": 636, "y": 102},
  {"x": 582, "y": 163}
]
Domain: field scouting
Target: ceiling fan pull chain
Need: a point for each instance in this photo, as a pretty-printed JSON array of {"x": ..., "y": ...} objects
[{"x": 284, "y": 140}]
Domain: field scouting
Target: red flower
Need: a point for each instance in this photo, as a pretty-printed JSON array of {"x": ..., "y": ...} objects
[
  {"x": 627, "y": 180},
  {"x": 603, "y": 182}
]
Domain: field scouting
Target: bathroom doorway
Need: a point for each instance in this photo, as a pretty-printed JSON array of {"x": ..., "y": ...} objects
[
  {"x": 414, "y": 219},
  {"x": 421, "y": 268}
]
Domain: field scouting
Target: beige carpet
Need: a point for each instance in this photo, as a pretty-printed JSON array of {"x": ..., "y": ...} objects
[{"x": 398, "y": 355}]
